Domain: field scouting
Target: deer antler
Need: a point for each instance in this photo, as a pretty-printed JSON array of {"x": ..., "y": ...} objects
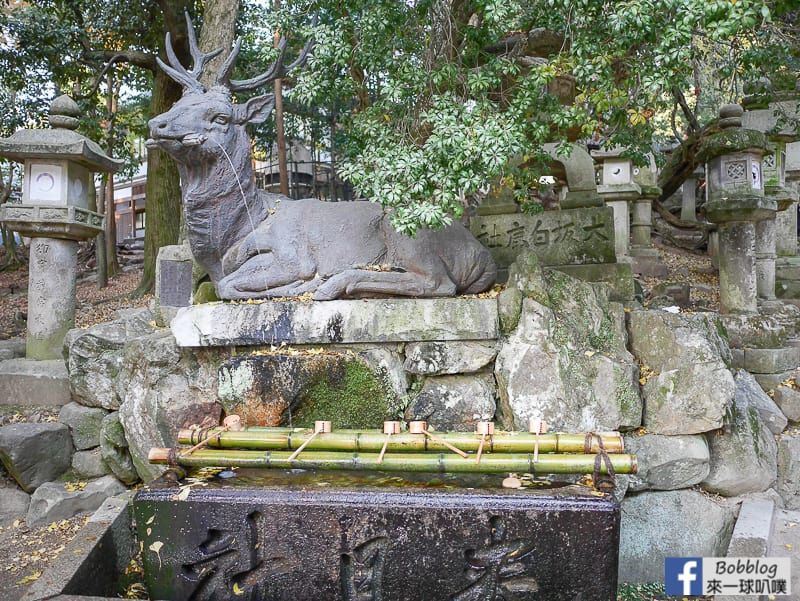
[
  {"x": 189, "y": 80},
  {"x": 275, "y": 71}
]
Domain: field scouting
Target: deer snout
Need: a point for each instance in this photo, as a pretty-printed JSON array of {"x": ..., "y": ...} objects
[{"x": 157, "y": 124}]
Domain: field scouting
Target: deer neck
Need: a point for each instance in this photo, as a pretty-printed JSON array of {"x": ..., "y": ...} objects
[{"x": 220, "y": 203}]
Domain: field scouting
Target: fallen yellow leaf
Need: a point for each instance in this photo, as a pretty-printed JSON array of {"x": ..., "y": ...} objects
[{"x": 30, "y": 578}]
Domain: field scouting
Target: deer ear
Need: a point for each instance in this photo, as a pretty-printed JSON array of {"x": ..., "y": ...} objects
[{"x": 255, "y": 110}]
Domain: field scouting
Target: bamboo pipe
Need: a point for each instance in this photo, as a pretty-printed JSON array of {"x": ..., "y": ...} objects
[
  {"x": 421, "y": 427},
  {"x": 402, "y": 462},
  {"x": 372, "y": 440},
  {"x": 320, "y": 427}
]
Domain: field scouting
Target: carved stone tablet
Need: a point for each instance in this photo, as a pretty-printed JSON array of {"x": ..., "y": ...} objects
[
  {"x": 175, "y": 283},
  {"x": 362, "y": 537}
]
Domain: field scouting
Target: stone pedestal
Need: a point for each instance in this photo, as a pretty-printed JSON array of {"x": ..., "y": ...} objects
[
  {"x": 689, "y": 200},
  {"x": 641, "y": 225},
  {"x": 51, "y": 296},
  {"x": 646, "y": 260},
  {"x": 310, "y": 535},
  {"x": 622, "y": 230},
  {"x": 737, "y": 268},
  {"x": 786, "y": 232},
  {"x": 765, "y": 258}
]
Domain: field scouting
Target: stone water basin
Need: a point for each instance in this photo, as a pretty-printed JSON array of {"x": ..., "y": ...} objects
[{"x": 299, "y": 535}]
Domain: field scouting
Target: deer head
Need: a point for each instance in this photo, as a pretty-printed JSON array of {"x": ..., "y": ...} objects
[{"x": 204, "y": 121}]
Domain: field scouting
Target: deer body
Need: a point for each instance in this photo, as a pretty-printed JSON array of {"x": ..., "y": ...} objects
[{"x": 259, "y": 245}]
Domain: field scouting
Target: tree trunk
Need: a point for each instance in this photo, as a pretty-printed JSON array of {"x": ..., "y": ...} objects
[
  {"x": 12, "y": 262},
  {"x": 100, "y": 239},
  {"x": 163, "y": 191},
  {"x": 219, "y": 30},
  {"x": 112, "y": 265},
  {"x": 280, "y": 137}
]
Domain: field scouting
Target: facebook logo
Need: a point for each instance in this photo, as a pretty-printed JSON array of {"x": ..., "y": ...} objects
[{"x": 683, "y": 575}]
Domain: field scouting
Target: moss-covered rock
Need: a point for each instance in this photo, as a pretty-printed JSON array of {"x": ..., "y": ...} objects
[
  {"x": 686, "y": 381},
  {"x": 566, "y": 361},
  {"x": 351, "y": 397}
]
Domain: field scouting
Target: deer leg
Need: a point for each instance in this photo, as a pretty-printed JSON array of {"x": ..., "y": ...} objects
[
  {"x": 263, "y": 276},
  {"x": 364, "y": 282}
]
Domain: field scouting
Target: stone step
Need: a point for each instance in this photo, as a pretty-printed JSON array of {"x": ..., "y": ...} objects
[
  {"x": 26, "y": 382},
  {"x": 766, "y": 360},
  {"x": 784, "y": 541},
  {"x": 751, "y": 535}
]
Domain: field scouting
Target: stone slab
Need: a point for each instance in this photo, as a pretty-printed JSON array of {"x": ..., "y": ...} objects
[
  {"x": 296, "y": 541},
  {"x": 772, "y": 381},
  {"x": 368, "y": 320},
  {"x": 750, "y": 536},
  {"x": 753, "y": 331},
  {"x": 92, "y": 565},
  {"x": 12, "y": 349},
  {"x": 771, "y": 361},
  {"x": 618, "y": 277},
  {"x": 24, "y": 382},
  {"x": 566, "y": 237}
]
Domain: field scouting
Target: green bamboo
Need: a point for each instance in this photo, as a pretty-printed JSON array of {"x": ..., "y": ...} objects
[
  {"x": 405, "y": 462},
  {"x": 373, "y": 440}
]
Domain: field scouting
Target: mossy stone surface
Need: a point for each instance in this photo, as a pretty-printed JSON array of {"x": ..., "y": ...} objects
[{"x": 353, "y": 397}]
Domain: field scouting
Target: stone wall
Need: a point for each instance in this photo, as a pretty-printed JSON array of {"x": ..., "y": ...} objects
[{"x": 547, "y": 346}]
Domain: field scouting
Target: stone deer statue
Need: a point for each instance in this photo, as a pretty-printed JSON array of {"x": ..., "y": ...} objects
[{"x": 259, "y": 245}]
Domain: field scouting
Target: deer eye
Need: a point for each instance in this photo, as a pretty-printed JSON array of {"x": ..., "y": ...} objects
[{"x": 221, "y": 119}]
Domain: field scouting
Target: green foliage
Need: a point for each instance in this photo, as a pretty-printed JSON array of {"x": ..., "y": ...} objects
[
  {"x": 435, "y": 96},
  {"x": 423, "y": 103}
]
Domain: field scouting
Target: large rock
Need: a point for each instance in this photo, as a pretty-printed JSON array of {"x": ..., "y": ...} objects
[
  {"x": 668, "y": 462},
  {"x": 566, "y": 361},
  {"x": 164, "y": 389},
  {"x": 90, "y": 464},
  {"x": 788, "y": 399},
  {"x": 789, "y": 471},
  {"x": 749, "y": 389},
  {"x": 680, "y": 523},
  {"x": 35, "y": 453},
  {"x": 441, "y": 358},
  {"x": 14, "y": 504},
  {"x": 688, "y": 383},
  {"x": 298, "y": 388},
  {"x": 455, "y": 402},
  {"x": 743, "y": 454},
  {"x": 84, "y": 423},
  {"x": 95, "y": 355},
  {"x": 114, "y": 451},
  {"x": 53, "y": 502},
  {"x": 387, "y": 363}
]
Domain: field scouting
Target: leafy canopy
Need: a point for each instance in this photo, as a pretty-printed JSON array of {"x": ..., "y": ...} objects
[{"x": 437, "y": 95}]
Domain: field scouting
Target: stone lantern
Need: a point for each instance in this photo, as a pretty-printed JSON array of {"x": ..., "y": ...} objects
[
  {"x": 736, "y": 201},
  {"x": 59, "y": 164},
  {"x": 617, "y": 189},
  {"x": 761, "y": 113}
]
